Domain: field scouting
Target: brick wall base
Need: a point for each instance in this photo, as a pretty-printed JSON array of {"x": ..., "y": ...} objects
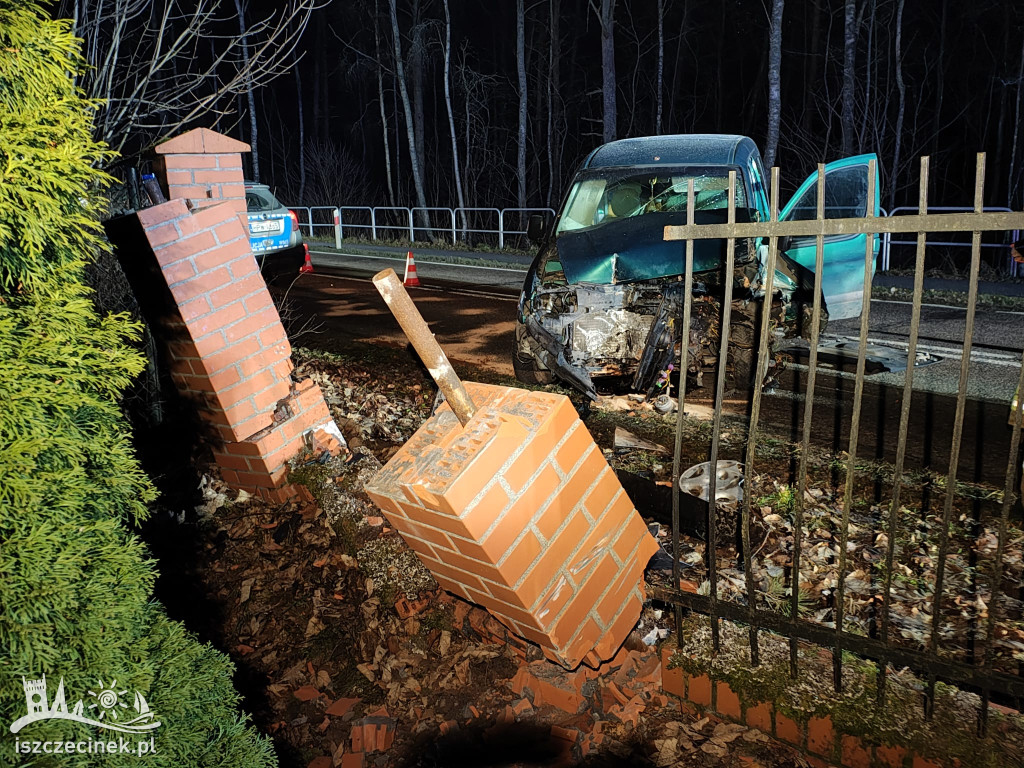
[{"x": 851, "y": 729}]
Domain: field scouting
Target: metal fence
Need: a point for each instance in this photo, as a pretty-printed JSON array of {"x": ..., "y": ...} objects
[
  {"x": 982, "y": 669},
  {"x": 494, "y": 226}
]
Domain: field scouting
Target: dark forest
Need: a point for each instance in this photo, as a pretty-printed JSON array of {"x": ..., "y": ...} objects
[{"x": 499, "y": 101}]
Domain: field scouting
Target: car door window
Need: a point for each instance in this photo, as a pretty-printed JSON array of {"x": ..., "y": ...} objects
[{"x": 846, "y": 196}]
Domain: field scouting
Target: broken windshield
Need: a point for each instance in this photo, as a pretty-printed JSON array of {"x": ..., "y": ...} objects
[{"x": 611, "y": 194}]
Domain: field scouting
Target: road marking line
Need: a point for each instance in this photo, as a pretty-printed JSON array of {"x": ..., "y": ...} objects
[
  {"x": 421, "y": 260},
  {"x": 992, "y": 358},
  {"x": 501, "y": 296}
]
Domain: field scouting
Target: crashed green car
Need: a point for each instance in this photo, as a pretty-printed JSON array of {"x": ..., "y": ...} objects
[{"x": 603, "y": 296}]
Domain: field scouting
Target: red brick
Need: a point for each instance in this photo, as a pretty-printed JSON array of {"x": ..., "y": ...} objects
[
  {"x": 353, "y": 760},
  {"x": 178, "y": 272},
  {"x": 236, "y": 353},
  {"x": 700, "y": 690},
  {"x": 210, "y": 344},
  {"x": 159, "y": 214},
  {"x": 181, "y": 161},
  {"x": 820, "y": 736},
  {"x": 231, "y": 462},
  {"x": 672, "y": 678},
  {"x": 176, "y": 177},
  {"x": 760, "y": 716},
  {"x": 164, "y": 233},
  {"x": 573, "y": 449},
  {"x": 788, "y": 730},
  {"x": 177, "y": 250},
  {"x": 890, "y": 756},
  {"x": 855, "y": 755},
  {"x": 197, "y": 307},
  {"x": 920, "y": 762},
  {"x": 238, "y": 289},
  {"x": 727, "y": 702}
]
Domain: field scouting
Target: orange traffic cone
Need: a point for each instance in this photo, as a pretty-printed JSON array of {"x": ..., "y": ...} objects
[
  {"x": 308, "y": 266},
  {"x": 410, "y": 272}
]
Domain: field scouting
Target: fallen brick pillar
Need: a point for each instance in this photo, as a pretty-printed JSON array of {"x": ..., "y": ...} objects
[
  {"x": 208, "y": 303},
  {"x": 519, "y": 512}
]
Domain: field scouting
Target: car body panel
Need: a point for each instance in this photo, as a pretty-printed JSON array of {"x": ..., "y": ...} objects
[{"x": 846, "y": 196}]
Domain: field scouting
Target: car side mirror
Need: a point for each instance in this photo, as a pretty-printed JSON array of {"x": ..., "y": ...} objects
[{"x": 537, "y": 227}]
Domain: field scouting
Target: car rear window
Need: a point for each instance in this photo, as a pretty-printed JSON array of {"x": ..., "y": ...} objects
[{"x": 257, "y": 200}]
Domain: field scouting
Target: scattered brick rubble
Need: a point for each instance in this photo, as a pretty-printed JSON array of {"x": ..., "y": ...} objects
[{"x": 386, "y": 669}]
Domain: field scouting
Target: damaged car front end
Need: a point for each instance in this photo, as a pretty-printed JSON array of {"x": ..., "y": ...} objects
[{"x": 604, "y": 296}]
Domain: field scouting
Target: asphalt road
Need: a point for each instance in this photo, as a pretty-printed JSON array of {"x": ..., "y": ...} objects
[{"x": 472, "y": 311}]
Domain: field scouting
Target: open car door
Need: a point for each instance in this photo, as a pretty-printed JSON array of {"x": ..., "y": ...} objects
[{"x": 846, "y": 197}]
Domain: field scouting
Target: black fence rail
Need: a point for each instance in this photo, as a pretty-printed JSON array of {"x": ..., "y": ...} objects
[{"x": 929, "y": 654}]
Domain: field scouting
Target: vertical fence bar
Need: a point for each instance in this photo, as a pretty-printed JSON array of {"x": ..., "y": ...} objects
[
  {"x": 684, "y": 348},
  {"x": 373, "y": 223},
  {"x": 501, "y": 230},
  {"x": 412, "y": 230},
  {"x": 728, "y": 280},
  {"x": 755, "y": 410},
  {"x": 338, "y": 234},
  {"x": 958, "y": 425},
  {"x": 805, "y": 444},
  {"x": 453, "y": 226},
  {"x": 901, "y": 444},
  {"x": 851, "y": 468},
  {"x": 997, "y": 564}
]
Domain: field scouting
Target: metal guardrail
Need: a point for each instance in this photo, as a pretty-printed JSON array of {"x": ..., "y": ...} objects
[
  {"x": 381, "y": 221},
  {"x": 984, "y": 668},
  {"x": 461, "y": 223}
]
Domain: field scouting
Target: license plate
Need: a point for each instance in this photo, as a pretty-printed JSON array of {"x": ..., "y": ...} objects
[{"x": 266, "y": 226}]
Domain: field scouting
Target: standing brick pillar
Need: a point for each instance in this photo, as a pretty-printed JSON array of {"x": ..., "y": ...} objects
[
  {"x": 228, "y": 351},
  {"x": 204, "y": 168},
  {"x": 519, "y": 512}
]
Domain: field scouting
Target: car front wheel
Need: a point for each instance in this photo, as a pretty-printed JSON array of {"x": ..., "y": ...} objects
[{"x": 526, "y": 367}]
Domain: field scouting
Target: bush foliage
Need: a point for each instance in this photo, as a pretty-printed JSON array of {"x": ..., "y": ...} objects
[{"x": 75, "y": 583}]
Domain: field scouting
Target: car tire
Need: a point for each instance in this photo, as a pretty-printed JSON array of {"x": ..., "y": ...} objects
[{"x": 525, "y": 365}]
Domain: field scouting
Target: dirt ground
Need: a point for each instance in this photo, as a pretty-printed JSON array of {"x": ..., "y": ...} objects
[{"x": 349, "y": 655}]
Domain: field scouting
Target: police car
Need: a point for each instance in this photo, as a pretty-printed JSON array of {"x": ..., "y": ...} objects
[{"x": 274, "y": 234}]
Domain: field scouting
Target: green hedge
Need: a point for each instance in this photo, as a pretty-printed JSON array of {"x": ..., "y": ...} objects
[{"x": 75, "y": 582}]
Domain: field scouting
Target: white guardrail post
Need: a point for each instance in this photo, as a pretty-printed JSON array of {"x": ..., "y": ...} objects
[{"x": 337, "y": 229}]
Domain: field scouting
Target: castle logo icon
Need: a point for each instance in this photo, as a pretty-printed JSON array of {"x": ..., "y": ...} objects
[{"x": 108, "y": 709}]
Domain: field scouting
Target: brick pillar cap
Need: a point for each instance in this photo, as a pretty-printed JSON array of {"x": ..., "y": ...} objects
[{"x": 202, "y": 141}]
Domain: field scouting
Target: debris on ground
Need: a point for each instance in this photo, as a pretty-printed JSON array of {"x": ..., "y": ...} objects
[{"x": 354, "y": 657}]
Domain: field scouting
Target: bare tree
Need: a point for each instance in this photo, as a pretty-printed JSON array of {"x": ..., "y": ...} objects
[
  {"x": 901, "y": 108},
  {"x": 521, "y": 71},
  {"x": 774, "y": 82},
  {"x": 249, "y": 97},
  {"x": 659, "y": 87},
  {"x": 414, "y": 159},
  {"x": 606, "y": 18},
  {"x": 849, "y": 76},
  {"x": 157, "y": 66},
  {"x": 451, "y": 116}
]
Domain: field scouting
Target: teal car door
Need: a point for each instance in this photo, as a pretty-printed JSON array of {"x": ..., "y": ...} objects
[{"x": 846, "y": 197}]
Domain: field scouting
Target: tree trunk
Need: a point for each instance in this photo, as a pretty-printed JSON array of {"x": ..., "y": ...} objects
[
  {"x": 849, "y": 76},
  {"x": 868, "y": 62},
  {"x": 901, "y": 110},
  {"x": 812, "y": 70},
  {"x": 451, "y": 116},
  {"x": 250, "y": 97},
  {"x": 521, "y": 71},
  {"x": 774, "y": 83},
  {"x": 414, "y": 160},
  {"x": 302, "y": 138},
  {"x": 659, "y": 82},
  {"x": 385, "y": 130},
  {"x": 608, "y": 89},
  {"x": 554, "y": 104},
  {"x": 1013, "y": 176}
]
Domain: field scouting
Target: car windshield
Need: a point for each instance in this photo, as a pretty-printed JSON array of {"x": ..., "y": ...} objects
[{"x": 605, "y": 196}]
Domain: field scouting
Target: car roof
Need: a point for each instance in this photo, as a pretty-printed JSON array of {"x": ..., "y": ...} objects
[
  {"x": 678, "y": 149},
  {"x": 255, "y": 185}
]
